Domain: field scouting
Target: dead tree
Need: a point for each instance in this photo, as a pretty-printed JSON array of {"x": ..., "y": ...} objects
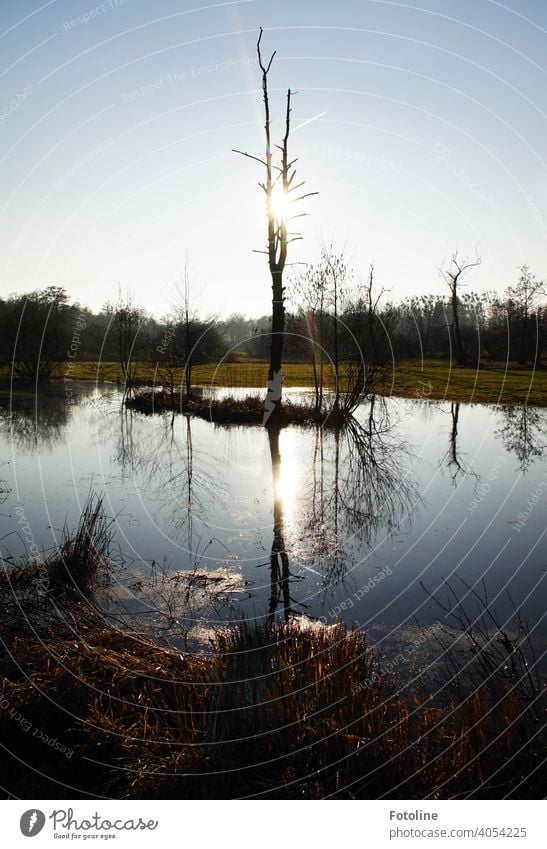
[
  {"x": 524, "y": 317},
  {"x": 454, "y": 277},
  {"x": 187, "y": 324},
  {"x": 367, "y": 348},
  {"x": 336, "y": 271},
  {"x": 128, "y": 320},
  {"x": 279, "y": 187}
]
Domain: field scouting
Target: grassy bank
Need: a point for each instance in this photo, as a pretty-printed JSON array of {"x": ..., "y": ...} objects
[
  {"x": 432, "y": 379},
  {"x": 276, "y": 712}
]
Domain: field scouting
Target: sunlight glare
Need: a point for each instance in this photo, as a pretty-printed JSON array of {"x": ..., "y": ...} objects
[
  {"x": 280, "y": 203},
  {"x": 286, "y": 486}
]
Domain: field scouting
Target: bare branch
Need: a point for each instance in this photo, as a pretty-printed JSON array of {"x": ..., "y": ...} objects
[
  {"x": 262, "y": 68},
  {"x": 298, "y": 186},
  {"x": 249, "y": 156},
  {"x": 307, "y": 195}
]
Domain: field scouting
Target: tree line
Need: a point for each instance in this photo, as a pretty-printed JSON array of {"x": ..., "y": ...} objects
[
  {"x": 333, "y": 318},
  {"x": 342, "y": 323}
]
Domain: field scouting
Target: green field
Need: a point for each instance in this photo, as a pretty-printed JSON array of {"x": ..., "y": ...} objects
[{"x": 432, "y": 379}]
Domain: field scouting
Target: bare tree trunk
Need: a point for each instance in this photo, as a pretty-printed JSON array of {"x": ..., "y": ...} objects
[
  {"x": 277, "y": 238},
  {"x": 187, "y": 340},
  {"x": 277, "y": 257},
  {"x": 321, "y": 346},
  {"x": 460, "y": 353},
  {"x": 454, "y": 276},
  {"x": 278, "y": 326},
  {"x": 314, "y": 369},
  {"x": 336, "y": 352}
]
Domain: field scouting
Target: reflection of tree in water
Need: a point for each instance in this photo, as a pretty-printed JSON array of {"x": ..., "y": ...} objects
[
  {"x": 161, "y": 454},
  {"x": 177, "y": 601},
  {"x": 280, "y": 575},
  {"x": 37, "y": 421},
  {"x": 453, "y": 457},
  {"x": 126, "y": 447},
  {"x": 365, "y": 489},
  {"x": 523, "y": 432},
  {"x": 5, "y": 490},
  {"x": 356, "y": 487}
]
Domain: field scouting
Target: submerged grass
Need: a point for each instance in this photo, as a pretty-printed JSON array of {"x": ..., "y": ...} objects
[{"x": 431, "y": 379}]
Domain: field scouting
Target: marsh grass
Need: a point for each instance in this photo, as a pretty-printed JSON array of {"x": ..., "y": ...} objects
[
  {"x": 85, "y": 555},
  {"x": 81, "y": 563},
  {"x": 274, "y": 711},
  {"x": 228, "y": 410}
]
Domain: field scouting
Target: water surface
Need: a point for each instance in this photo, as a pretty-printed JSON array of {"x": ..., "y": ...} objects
[{"x": 362, "y": 525}]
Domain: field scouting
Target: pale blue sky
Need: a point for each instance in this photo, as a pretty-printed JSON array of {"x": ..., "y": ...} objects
[{"x": 116, "y": 137}]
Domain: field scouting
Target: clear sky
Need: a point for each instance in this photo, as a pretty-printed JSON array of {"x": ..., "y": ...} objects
[{"x": 117, "y": 121}]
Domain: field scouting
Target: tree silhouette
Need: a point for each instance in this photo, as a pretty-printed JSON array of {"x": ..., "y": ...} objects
[{"x": 279, "y": 188}]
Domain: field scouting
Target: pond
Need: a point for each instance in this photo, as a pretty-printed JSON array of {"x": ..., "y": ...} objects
[{"x": 364, "y": 525}]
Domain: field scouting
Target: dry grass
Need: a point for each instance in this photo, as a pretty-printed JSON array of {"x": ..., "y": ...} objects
[
  {"x": 228, "y": 410},
  {"x": 84, "y": 554},
  {"x": 277, "y": 711},
  {"x": 81, "y": 562}
]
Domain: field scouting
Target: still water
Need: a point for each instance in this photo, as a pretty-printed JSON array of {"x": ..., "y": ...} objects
[{"x": 362, "y": 525}]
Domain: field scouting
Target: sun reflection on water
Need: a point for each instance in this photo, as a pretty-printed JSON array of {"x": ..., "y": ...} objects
[{"x": 288, "y": 476}]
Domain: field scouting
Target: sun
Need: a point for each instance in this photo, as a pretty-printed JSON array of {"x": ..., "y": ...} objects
[{"x": 280, "y": 203}]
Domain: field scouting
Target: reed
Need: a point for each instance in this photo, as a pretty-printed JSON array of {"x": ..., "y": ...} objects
[
  {"x": 83, "y": 556},
  {"x": 274, "y": 711},
  {"x": 78, "y": 566}
]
